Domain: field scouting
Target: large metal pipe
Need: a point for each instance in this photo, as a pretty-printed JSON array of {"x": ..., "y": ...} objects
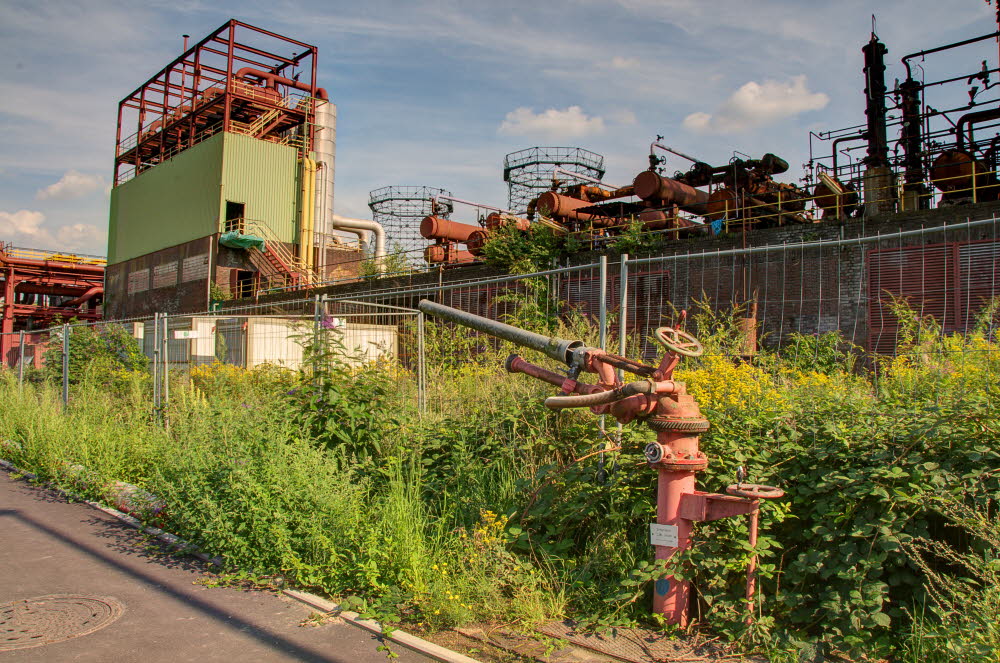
[
  {"x": 971, "y": 119},
  {"x": 667, "y": 148},
  {"x": 325, "y": 150},
  {"x": 85, "y": 297},
  {"x": 498, "y": 220},
  {"x": 436, "y": 254},
  {"x": 52, "y": 265},
  {"x": 434, "y": 227},
  {"x": 563, "y": 206},
  {"x": 555, "y": 348},
  {"x": 274, "y": 79},
  {"x": 358, "y": 226},
  {"x": 653, "y": 186}
]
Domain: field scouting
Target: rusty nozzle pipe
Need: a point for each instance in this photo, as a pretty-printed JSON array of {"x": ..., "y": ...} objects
[
  {"x": 556, "y": 348},
  {"x": 648, "y": 387}
]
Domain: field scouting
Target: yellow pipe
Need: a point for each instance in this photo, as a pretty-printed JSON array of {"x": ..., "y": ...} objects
[
  {"x": 307, "y": 222},
  {"x": 311, "y": 230}
]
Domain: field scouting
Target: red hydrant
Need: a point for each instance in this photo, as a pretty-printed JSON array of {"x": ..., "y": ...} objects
[{"x": 666, "y": 407}]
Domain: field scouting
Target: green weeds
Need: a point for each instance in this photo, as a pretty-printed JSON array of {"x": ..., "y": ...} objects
[{"x": 491, "y": 508}]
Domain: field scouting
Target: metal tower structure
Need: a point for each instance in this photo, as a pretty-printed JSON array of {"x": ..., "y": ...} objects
[
  {"x": 401, "y": 208},
  {"x": 529, "y": 173}
]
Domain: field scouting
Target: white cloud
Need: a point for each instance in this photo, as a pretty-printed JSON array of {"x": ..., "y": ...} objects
[
  {"x": 551, "y": 123},
  {"x": 756, "y": 105},
  {"x": 73, "y": 184},
  {"x": 27, "y": 228},
  {"x": 23, "y": 222},
  {"x": 618, "y": 62}
]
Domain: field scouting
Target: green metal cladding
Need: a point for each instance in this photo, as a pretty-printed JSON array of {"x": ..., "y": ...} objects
[{"x": 185, "y": 197}]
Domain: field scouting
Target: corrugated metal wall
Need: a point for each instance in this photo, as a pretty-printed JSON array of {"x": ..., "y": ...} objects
[
  {"x": 952, "y": 282},
  {"x": 173, "y": 203},
  {"x": 265, "y": 177}
]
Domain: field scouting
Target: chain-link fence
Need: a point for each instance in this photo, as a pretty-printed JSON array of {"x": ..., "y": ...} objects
[
  {"x": 171, "y": 348},
  {"x": 876, "y": 291}
]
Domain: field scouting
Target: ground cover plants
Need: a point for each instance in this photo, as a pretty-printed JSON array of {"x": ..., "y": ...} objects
[{"x": 491, "y": 508}]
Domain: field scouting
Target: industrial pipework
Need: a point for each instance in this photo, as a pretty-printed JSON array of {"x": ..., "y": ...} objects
[
  {"x": 661, "y": 403},
  {"x": 361, "y": 227}
]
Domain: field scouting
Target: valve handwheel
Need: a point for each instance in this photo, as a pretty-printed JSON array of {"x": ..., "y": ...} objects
[
  {"x": 678, "y": 342},
  {"x": 755, "y": 491}
]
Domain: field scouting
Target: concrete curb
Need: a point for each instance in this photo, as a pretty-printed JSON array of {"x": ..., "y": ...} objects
[{"x": 419, "y": 645}]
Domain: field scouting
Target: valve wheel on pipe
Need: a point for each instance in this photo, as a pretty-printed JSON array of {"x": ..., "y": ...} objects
[
  {"x": 755, "y": 491},
  {"x": 678, "y": 342}
]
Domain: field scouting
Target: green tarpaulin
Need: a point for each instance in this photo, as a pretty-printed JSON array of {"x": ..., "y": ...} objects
[{"x": 235, "y": 240}]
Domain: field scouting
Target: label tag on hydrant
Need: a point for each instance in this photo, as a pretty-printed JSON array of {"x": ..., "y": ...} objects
[{"x": 663, "y": 535}]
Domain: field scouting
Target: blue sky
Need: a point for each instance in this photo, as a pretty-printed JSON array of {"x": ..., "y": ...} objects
[{"x": 435, "y": 93}]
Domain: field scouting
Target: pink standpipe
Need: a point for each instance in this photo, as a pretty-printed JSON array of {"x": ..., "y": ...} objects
[{"x": 665, "y": 406}]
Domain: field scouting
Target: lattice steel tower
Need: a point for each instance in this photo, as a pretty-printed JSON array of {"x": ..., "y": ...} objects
[
  {"x": 400, "y": 209},
  {"x": 530, "y": 172}
]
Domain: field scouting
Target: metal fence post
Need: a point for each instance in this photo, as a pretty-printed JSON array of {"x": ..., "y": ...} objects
[
  {"x": 319, "y": 303},
  {"x": 165, "y": 355},
  {"x": 602, "y": 342},
  {"x": 622, "y": 317},
  {"x": 421, "y": 377},
  {"x": 20, "y": 361},
  {"x": 65, "y": 366},
  {"x": 622, "y": 307},
  {"x": 156, "y": 364},
  {"x": 603, "y": 306}
]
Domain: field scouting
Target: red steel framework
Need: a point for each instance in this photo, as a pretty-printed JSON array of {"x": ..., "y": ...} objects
[
  {"x": 39, "y": 290},
  {"x": 239, "y": 78}
]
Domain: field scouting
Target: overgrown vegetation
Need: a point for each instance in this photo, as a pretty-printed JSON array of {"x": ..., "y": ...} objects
[
  {"x": 492, "y": 508},
  {"x": 524, "y": 251}
]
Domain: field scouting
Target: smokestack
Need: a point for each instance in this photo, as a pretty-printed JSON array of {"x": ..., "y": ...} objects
[{"x": 874, "y": 71}]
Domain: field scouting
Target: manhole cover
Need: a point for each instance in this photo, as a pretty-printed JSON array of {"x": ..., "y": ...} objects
[{"x": 47, "y": 619}]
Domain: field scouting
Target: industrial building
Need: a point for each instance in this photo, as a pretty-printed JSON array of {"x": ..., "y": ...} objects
[
  {"x": 224, "y": 179},
  {"x": 224, "y": 189}
]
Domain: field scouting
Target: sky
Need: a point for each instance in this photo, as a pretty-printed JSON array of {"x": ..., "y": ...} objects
[{"x": 436, "y": 92}]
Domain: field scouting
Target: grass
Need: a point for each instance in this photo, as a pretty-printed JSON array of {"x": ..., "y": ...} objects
[{"x": 480, "y": 510}]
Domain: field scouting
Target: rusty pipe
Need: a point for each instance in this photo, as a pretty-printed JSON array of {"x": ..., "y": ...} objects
[
  {"x": 53, "y": 265},
  {"x": 563, "y": 206},
  {"x": 596, "y": 194},
  {"x": 637, "y": 388},
  {"x": 667, "y": 148},
  {"x": 434, "y": 227},
  {"x": 515, "y": 364},
  {"x": 499, "y": 219},
  {"x": 274, "y": 79},
  {"x": 553, "y": 347},
  {"x": 440, "y": 253},
  {"x": 653, "y": 186},
  {"x": 86, "y": 296},
  {"x": 971, "y": 119}
]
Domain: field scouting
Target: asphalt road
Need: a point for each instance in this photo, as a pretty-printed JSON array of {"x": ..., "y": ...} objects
[{"x": 49, "y": 546}]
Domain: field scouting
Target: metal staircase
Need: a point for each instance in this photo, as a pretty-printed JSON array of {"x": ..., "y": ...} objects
[
  {"x": 276, "y": 259},
  {"x": 257, "y": 127}
]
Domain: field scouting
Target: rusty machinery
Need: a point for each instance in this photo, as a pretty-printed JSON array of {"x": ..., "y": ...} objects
[
  {"x": 42, "y": 287},
  {"x": 447, "y": 234},
  {"x": 664, "y": 405},
  {"x": 743, "y": 191},
  {"x": 936, "y": 150}
]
